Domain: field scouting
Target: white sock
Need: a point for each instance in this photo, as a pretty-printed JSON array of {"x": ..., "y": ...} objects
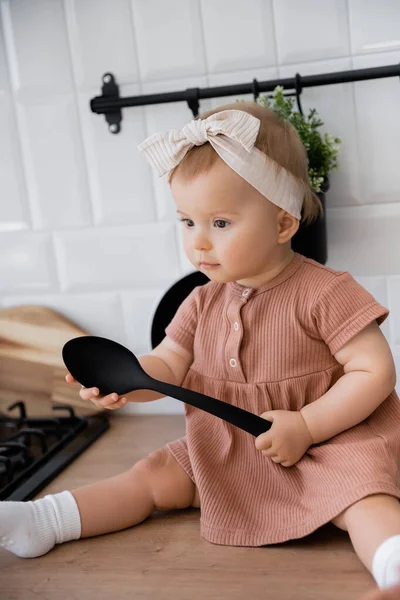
[
  {"x": 32, "y": 528},
  {"x": 386, "y": 562}
]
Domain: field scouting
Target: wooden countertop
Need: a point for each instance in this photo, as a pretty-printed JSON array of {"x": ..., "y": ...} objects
[{"x": 164, "y": 557}]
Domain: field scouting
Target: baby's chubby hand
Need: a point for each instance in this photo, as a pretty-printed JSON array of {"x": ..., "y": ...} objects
[
  {"x": 109, "y": 402},
  {"x": 288, "y": 438}
]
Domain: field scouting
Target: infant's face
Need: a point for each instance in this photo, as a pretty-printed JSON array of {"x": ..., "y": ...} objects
[{"x": 227, "y": 222}]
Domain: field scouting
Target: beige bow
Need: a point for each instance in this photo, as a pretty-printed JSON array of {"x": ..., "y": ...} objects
[
  {"x": 166, "y": 150},
  {"x": 232, "y": 134}
]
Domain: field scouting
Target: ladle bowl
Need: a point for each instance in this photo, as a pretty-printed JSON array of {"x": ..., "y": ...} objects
[{"x": 99, "y": 362}]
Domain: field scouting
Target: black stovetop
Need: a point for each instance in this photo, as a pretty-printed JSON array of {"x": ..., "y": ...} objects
[{"x": 34, "y": 450}]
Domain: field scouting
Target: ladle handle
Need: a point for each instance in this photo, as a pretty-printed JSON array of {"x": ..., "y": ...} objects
[{"x": 233, "y": 414}]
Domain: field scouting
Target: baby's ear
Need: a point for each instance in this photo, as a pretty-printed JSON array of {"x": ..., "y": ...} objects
[{"x": 287, "y": 226}]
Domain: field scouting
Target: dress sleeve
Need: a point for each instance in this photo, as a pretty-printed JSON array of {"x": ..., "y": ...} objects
[
  {"x": 343, "y": 309},
  {"x": 183, "y": 325}
]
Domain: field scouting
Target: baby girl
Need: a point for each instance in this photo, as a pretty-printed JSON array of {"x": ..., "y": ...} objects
[{"x": 273, "y": 332}]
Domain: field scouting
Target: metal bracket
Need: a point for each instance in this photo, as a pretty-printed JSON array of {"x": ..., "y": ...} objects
[
  {"x": 110, "y": 89},
  {"x": 192, "y": 98},
  {"x": 255, "y": 89},
  {"x": 297, "y": 85}
]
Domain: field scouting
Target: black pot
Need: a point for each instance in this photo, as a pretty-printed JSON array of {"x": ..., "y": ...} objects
[{"x": 310, "y": 240}]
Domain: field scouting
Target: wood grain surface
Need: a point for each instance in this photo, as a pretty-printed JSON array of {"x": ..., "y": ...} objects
[
  {"x": 31, "y": 364},
  {"x": 164, "y": 557}
]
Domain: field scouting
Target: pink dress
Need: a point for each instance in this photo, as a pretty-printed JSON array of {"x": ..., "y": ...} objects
[{"x": 272, "y": 348}]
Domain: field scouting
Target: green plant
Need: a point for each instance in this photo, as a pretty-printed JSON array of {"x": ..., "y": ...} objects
[{"x": 322, "y": 150}]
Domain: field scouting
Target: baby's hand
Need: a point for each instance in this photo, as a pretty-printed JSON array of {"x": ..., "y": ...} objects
[
  {"x": 110, "y": 402},
  {"x": 288, "y": 438}
]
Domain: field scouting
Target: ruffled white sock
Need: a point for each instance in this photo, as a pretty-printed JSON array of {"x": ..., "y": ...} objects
[
  {"x": 32, "y": 528},
  {"x": 386, "y": 562}
]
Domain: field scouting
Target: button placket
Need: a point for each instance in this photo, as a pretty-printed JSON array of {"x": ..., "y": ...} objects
[{"x": 232, "y": 349}]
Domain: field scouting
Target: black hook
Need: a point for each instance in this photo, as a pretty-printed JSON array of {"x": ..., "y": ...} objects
[
  {"x": 298, "y": 87},
  {"x": 255, "y": 89},
  {"x": 192, "y": 98}
]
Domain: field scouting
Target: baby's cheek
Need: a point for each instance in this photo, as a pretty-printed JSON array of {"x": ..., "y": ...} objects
[{"x": 233, "y": 256}]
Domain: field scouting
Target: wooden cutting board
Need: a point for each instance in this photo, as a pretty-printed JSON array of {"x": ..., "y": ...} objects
[{"x": 31, "y": 364}]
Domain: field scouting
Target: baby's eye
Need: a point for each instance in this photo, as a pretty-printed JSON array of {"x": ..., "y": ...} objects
[
  {"x": 221, "y": 221},
  {"x": 184, "y": 220},
  {"x": 216, "y": 221}
]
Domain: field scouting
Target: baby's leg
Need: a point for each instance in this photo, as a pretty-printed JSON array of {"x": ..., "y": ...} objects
[
  {"x": 156, "y": 482},
  {"x": 373, "y": 524}
]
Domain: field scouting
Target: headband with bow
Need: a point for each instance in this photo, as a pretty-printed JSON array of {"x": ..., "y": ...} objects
[{"x": 232, "y": 134}]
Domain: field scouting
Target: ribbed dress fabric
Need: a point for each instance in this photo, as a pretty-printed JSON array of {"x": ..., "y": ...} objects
[{"x": 271, "y": 348}]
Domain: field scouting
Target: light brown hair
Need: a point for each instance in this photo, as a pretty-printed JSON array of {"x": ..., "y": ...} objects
[{"x": 277, "y": 138}]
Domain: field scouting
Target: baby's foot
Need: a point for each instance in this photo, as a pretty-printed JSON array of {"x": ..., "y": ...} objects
[
  {"x": 30, "y": 529},
  {"x": 386, "y": 562}
]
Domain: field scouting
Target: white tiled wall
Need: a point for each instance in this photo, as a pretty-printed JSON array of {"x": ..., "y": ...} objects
[{"x": 87, "y": 229}]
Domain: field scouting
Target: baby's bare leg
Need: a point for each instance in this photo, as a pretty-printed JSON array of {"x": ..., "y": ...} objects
[
  {"x": 31, "y": 529},
  {"x": 156, "y": 482},
  {"x": 370, "y": 522}
]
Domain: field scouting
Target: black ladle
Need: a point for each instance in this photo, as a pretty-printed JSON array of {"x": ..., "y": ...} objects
[{"x": 100, "y": 362}]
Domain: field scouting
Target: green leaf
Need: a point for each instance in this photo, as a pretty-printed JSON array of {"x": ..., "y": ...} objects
[{"x": 322, "y": 150}]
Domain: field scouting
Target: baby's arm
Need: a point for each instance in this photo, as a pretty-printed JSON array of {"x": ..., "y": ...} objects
[
  {"x": 370, "y": 376},
  {"x": 168, "y": 362}
]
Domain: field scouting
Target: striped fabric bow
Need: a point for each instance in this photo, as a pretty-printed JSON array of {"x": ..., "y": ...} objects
[
  {"x": 232, "y": 131},
  {"x": 232, "y": 134}
]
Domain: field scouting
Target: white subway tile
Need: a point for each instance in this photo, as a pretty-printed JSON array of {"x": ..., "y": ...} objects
[
  {"x": 54, "y": 161},
  {"x": 97, "y": 313},
  {"x": 27, "y": 263},
  {"x": 14, "y": 211},
  {"x": 121, "y": 257},
  {"x": 311, "y": 30},
  {"x": 170, "y": 115},
  {"x": 237, "y": 77},
  {"x": 335, "y": 107},
  {"x": 4, "y": 74},
  {"x": 238, "y": 35},
  {"x": 361, "y": 244},
  {"x": 377, "y": 113},
  {"x": 374, "y": 26},
  {"x": 109, "y": 46},
  {"x": 36, "y": 37},
  {"x": 139, "y": 308},
  {"x": 169, "y": 38},
  {"x": 120, "y": 179}
]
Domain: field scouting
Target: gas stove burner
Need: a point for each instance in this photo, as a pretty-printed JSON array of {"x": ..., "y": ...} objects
[{"x": 34, "y": 450}]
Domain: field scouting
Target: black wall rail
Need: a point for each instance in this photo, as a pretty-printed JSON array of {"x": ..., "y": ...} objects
[{"x": 110, "y": 102}]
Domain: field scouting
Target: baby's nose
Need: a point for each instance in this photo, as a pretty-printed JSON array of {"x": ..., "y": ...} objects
[{"x": 201, "y": 242}]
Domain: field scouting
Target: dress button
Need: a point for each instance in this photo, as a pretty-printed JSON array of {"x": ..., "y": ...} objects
[
  {"x": 232, "y": 362},
  {"x": 236, "y": 325},
  {"x": 245, "y": 292}
]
